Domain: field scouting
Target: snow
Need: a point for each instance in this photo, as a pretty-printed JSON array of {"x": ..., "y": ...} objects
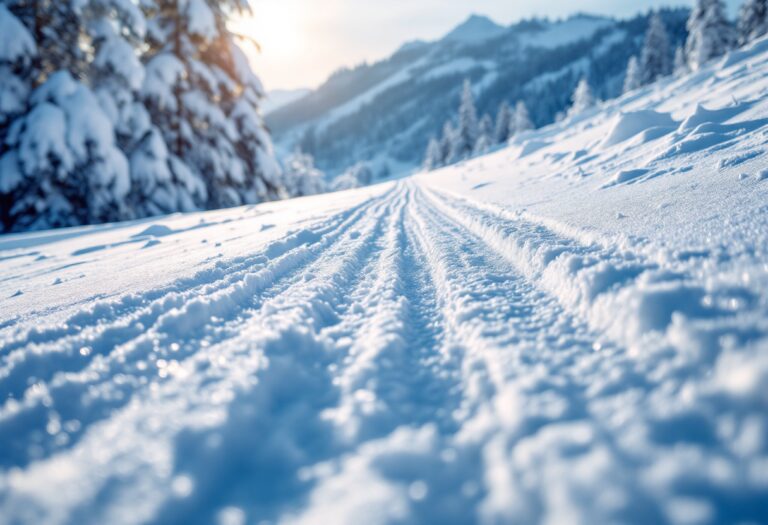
[
  {"x": 43, "y": 146},
  {"x": 117, "y": 55},
  {"x": 627, "y": 125},
  {"x": 576, "y": 334},
  {"x": 200, "y": 19},
  {"x": 162, "y": 73},
  {"x": 16, "y": 44},
  {"x": 279, "y": 98}
]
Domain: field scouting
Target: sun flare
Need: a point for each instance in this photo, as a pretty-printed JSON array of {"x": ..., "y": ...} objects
[{"x": 275, "y": 25}]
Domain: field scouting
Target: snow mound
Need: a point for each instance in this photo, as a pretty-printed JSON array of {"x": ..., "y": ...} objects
[
  {"x": 629, "y": 124},
  {"x": 702, "y": 115},
  {"x": 529, "y": 147},
  {"x": 156, "y": 230}
]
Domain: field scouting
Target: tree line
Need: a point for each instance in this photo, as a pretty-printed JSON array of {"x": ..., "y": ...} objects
[{"x": 710, "y": 35}]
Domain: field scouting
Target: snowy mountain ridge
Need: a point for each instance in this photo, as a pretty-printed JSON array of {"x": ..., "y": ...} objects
[
  {"x": 369, "y": 113},
  {"x": 572, "y": 329},
  {"x": 475, "y": 29}
]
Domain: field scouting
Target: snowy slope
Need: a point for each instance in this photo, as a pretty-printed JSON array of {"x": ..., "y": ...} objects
[
  {"x": 278, "y": 98},
  {"x": 571, "y": 330}
]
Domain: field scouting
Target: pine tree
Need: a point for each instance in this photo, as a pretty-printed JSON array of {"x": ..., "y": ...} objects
[
  {"x": 115, "y": 30},
  {"x": 56, "y": 26},
  {"x": 16, "y": 61},
  {"x": 63, "y": 153},
  {"x": 60, "y": 149},
  {"x": 467, "y": 132},
  {"x": 16, "y": 77},
  {"x": 753, "y": 20},
  {"x": 503, "y": 123},
  {"x": 680, "y": 67},
  {"x": 710, "y": 34},
  {"x": 357, "y": 176},
  {"x": 433, "y": 158},
  {"x": 522, "y": 119},
  {"x": 301, "y": 176},
  {"x": 484, "y": 134},
  {"x": 655, "y": 61},
  {"x": 203, "y": 97},
  {"x": 582, "y": 98},
  {"x": 446, "y": 143},
  {"x": 632, "y": 80}
]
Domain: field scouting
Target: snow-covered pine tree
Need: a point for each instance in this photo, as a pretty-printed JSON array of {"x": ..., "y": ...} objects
[
  {"x": 64, "y": 155},
  {"x": 203, "y": 97},
  {"x": 357, "y": 176},
  {"x": 263, "y": 177},
  {"x": 484, "y": 134},
  {"x": 56, "y": 26},
  {"x": 60, "y": 148},
  {"x": 483, "y": 145},
  {"x": 433, "y": 157},
  {"x": 680, "y": 66},
  {"x": 753, "y": 20},
  {"x": 632, "y": 79},
  {"x": 446, "y": 143},
  {"x": 503, "y": 123},
  {"x": 522, "y": 119},
  {"x": 710, "y": 33},
  {"x": 116, "y": 31},
  {"x": 466, "y": 134},
  {"x": 302, "y": 177},
  {"x": 17, "y": 53},
  {"x": 655, "y": 58},
  {"x": 582, "y": 98}
]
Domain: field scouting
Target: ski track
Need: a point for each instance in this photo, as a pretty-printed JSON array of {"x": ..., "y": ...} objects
[
  {"x": 170, "y": 325},
  {"x": 417, "y": 358}
]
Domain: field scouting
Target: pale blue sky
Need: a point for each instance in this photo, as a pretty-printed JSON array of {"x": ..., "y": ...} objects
[{"x": 303, "y": 41}]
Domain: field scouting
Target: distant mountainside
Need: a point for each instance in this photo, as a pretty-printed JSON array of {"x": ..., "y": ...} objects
[
  {"x": 384, "y": 113},
  {"x": 279, "y": 98}
]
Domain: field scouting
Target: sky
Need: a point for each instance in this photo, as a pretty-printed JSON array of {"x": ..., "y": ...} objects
[{"x": 304, "y": 41}]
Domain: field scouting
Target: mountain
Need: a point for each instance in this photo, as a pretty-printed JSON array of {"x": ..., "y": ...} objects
[
  {"x": 385, "y": 112},
  {"x": 475, "y": 29},
  {"x": 278, "y": 98}
]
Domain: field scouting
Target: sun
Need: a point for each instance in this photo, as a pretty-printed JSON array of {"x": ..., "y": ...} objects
[{"x": 276, "y": 25}]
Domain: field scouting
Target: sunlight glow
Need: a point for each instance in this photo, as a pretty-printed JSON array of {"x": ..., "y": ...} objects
[{"x": 276, "y": 26}]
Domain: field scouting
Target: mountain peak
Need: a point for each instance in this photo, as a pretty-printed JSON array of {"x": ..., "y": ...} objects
[{"x": 475, "y": 29}]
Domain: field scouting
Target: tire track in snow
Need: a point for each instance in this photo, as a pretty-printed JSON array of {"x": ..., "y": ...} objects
[
  {"x": 273, "y": 350},
  {"x": 515, "y": 350},
  {"x": 622, "y": 294},
  {"x": 289, "y": 412},
  {"x": 565, "y": 408},
  {"x": 393, "y": 372},
  {"x": 152, "y": 303},
  {"x": 108, "y": 382}
]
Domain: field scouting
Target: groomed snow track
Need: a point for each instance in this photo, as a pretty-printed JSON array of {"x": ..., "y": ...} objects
[{"x": 415, "y": 358}]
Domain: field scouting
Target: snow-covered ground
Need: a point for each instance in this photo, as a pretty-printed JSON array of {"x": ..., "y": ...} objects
[{"x": 570, "y": 330}]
